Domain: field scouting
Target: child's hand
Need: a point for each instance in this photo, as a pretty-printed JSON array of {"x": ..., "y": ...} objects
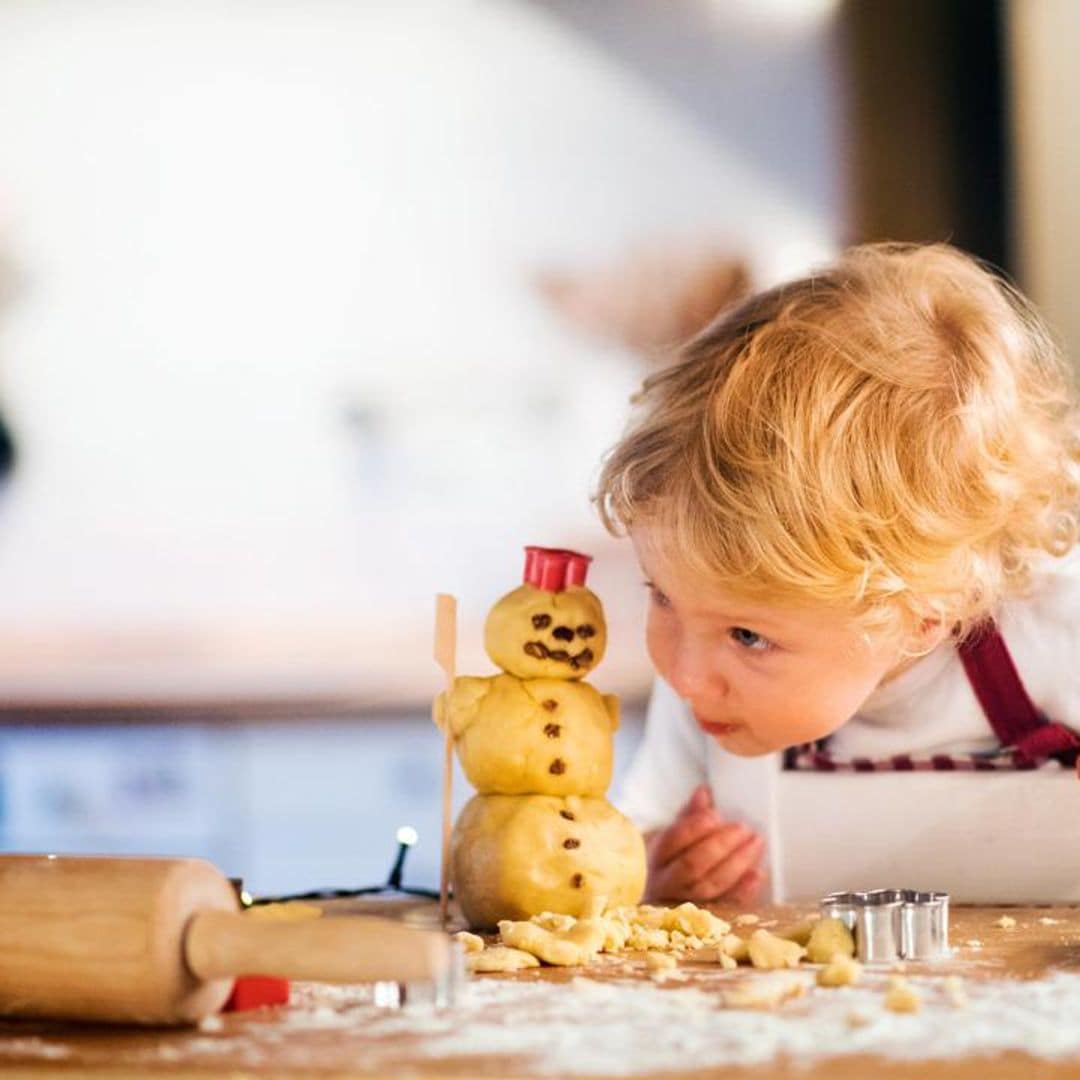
[{"x": 701, "y": 857}]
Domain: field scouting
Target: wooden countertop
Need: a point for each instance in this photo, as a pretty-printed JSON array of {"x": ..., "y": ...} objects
[{"x": 316, "y": 1037}]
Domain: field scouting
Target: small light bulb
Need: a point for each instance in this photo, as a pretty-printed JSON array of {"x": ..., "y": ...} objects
[
  {"x": 245, "y": 898},
  {"x": 407, "y": 835}
]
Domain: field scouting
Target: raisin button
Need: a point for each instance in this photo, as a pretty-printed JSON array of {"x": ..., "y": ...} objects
[
  {"x": 571, "y": 844},
  {"x": 577, "y": 881},
  {"x": 557, "y": 767},
  {"x": 566, "y": 814},
  {"x": 552, "y": 731}
]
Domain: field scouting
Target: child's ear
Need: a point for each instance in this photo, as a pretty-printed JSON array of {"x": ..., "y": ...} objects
[{"x": 929, "y": 634}]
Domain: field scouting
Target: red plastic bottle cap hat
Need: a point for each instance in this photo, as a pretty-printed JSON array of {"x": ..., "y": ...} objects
[{"x": 554, "y": 569}]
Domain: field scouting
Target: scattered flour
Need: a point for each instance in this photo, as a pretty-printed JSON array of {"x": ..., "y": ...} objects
[
  {"x": 32, "y": 1046},
  {"x": 618, "y": 1027},
  {"x": 590, "y": 1027}
]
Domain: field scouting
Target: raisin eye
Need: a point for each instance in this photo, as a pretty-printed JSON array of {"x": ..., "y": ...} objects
[
  {"x": 541, "y": 622},
  {"x": 586, "y": 631}
]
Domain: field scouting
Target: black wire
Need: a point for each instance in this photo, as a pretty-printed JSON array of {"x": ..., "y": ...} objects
[{"x": 342, "y": 894}]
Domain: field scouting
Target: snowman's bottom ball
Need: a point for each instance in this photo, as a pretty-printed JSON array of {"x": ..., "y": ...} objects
[{"x": 514, "y": 856}]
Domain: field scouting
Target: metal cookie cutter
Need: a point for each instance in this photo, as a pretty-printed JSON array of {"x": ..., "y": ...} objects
[{"x": 893, "y": 924}]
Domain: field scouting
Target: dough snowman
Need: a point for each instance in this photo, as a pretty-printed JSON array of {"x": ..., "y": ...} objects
[
  {"x": 536, "y": 742},
  {"x": 533, "y": 736}
]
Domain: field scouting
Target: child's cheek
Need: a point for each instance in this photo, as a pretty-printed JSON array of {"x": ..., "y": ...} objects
[{"x": 659, "y": 645}]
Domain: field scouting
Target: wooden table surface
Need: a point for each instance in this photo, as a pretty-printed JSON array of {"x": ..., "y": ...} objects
[{"x": 272, "y": 1043}]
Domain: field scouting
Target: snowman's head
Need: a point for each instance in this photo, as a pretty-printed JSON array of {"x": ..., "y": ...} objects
[{"x": 551, "y": 626}]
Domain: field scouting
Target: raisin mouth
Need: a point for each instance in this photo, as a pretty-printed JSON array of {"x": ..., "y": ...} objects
[{"x": 539, "y": 651}]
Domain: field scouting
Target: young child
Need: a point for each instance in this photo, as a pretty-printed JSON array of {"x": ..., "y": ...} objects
[{"x": 854, "y": 499}]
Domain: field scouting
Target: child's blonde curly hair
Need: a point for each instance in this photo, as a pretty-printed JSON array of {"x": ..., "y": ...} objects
[{"x": 895, "y": 435}]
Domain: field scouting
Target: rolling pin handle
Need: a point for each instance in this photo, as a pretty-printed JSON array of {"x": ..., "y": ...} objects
[{"x": 352, "y": 949}]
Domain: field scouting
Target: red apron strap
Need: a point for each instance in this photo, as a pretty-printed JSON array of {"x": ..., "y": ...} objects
[{"x": 1005, "y": 701}]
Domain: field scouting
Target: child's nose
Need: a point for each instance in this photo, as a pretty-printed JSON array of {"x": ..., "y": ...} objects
[{"x": 694, "y": 676}]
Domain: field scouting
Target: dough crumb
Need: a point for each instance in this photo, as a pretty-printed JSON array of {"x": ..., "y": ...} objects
[
  {"x": 1047, "y": 921},
  {"x": 552, "y": 920},
  {"x": 974, "y": 943},
  {"x": 762, "y": 994},
  {"x": 662, "y": 966},
  {"x": 857, "y": 1018},
  {"x": 499, "y": 958},
  {"x": 768, "y": 952},
  {"x": 800, "y": 932},
  {"x": 955, "y": 993},
  {"x": 658, "y": 961},
  {"x": 211, "y": 1023},
  {"x": 562, "y": 948},
  {"x": 902, "y": 997},
  {"x": 828, "y": 938},
  {"x": 1006, "y": 922},
  {"x": 747, "y": 920},
  {"x": 841, "y": 970},
  {"x": 471, "y": 943}
]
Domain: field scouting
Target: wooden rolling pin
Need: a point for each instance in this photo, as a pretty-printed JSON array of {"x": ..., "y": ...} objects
[{"x": 159, "y": 941}]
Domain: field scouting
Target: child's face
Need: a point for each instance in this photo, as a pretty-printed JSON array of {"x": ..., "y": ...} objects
[{"x": 758, "y": 677}]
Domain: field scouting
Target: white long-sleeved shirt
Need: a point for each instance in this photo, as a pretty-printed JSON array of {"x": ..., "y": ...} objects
[{"x": 929, "y": 709}]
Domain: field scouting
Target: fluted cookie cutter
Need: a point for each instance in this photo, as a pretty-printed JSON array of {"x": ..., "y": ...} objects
[{"x": 893, "y": 924}]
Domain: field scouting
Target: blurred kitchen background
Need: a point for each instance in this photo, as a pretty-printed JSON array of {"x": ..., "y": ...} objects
[{"x": 314, "y": 308}]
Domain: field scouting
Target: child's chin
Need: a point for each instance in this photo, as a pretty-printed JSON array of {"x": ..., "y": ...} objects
[{"x": 742, "y": 744}]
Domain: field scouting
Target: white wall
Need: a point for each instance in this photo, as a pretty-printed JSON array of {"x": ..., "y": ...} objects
[{"x": 234, "y": 221}]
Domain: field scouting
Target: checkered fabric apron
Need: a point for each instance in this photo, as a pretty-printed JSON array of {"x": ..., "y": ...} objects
[{"x": 1028, "y": 738}]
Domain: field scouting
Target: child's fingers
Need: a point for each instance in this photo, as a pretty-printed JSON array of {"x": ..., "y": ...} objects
[
  {"x": 682, "y": 835},
  {"x": 749, "y": 889},
  {"x": 724, "y": 876},
  {"x": 700, "y": 799},
  {"x": 699, "y": 861}
]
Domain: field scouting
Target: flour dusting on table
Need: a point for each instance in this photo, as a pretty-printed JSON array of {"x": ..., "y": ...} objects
[{"x": 593, "y": 1027}]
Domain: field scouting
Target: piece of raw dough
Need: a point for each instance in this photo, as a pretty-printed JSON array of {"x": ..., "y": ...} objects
[
  {"x": 531, "y": 736},
  {"x": 658, "y": 961},
  {"x": 514, "y": 856},
  {"x": 840, "y": 971},
  {"x": 471, "y": 943},
  {"x": 763, "y": 994},
  {"x": 1006, "y": 922},
  {"x": 562, "y": 948},
  {"x": 767, "y": 951},
  {"x": 801, "y": 931},
  {"x": 499, "y": 958},
  {"x": 902, "y": 997},
  {"x": 535, "y": 633},
  {"x": 828, "y": 938}
]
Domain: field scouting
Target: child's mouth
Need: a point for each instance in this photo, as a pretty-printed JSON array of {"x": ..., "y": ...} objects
[{"x": 712, "y": 727}]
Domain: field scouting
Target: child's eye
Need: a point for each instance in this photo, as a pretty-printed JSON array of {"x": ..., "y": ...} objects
[{"x": 749, "y": 640}]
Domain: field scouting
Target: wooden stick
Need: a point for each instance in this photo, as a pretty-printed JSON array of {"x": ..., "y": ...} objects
[{"x": 446, "y": 658}]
